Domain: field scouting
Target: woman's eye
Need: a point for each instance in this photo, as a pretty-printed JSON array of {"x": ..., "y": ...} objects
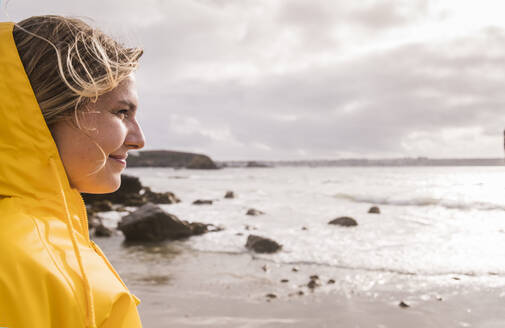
[{"x": 123, "y": 113}]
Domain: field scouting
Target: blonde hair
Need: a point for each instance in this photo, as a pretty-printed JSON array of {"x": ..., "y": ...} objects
[{"x": 69, "y": 63}]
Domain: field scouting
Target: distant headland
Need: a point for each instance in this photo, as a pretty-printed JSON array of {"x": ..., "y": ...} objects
[{"x": 178, "y": 159}]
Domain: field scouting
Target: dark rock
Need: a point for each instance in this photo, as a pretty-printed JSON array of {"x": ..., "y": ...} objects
[
  {"x": 284, "y": 280},
  {"x": 166, "y": 158},
  {"x": 151, "y": 223},
  {"x": 305, "y": 228},
  {"x": 102, "y": 231},
  {"x": 313, "y": 284},
  {"x": 403, "y": 305},
  {"x": 122, "y": 209},
  {"x": 102, "y": 206},
  {"x": 374, "y": 210},
  {"x": 300, "y": 293},
  {"x": 271, "y": 295},
  {"x": 239, "y": 234},
  {"x": 131, "y": 193},
  {"x": 264, "y": 268},
  {"x": 254, "y": 212},
  {"x": 229, "y": 194},
  {"x": 331, "y": 281},
  {"x": 295, "y": 269},
  {"x": 90, "y": 213},
  {"x": 94, "y": 221},
  {"x": 198, "y": 228},
  {"x": 262, "y": 245},
  {"x": 160, "y": 197},
  {"x": 213, "y": 228},
  {"x": 344, "y": 221},
  {"x": 202, "y": 202}
]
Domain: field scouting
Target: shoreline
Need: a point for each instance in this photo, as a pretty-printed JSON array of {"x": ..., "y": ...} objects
[{"x": 180, "y": 287}]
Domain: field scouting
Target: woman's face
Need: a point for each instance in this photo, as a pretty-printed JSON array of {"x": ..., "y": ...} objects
[{"x": 109, "y": 125}]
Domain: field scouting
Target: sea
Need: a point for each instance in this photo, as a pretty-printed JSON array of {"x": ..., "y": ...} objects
[{"x": 438, "y": 226}]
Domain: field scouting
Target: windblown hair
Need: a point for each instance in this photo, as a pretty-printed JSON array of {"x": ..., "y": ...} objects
[{"x": 69, "y": 63}]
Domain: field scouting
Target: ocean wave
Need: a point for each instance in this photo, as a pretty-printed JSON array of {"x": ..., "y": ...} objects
[{"x": 422, "y": 201}]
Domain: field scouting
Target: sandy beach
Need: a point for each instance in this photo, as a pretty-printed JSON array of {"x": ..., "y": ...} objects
[{"x": 207, "y": 289}]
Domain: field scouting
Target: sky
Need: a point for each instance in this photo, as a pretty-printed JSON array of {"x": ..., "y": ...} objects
[{"x": 310, "y": 79}]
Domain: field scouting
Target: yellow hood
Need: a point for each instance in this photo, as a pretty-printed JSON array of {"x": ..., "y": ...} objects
[{"x": 52, "y": 274}]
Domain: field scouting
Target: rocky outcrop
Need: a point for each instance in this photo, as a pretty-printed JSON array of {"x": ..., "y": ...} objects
[
  {"x": 261, "y": 244},
  {"x": 167, "y": 158},
  {"x": 202, "y": 202},
  {"x": 374, "y": 210},
  {"x": 344, "y": 221},
  {"x": 254, "y": 212},
  {"x": 102, "y": 231},
  {"x": 150, "y": 223},
  {"x": 130, "y": 193},
  {"x": 229, "y": 194}
]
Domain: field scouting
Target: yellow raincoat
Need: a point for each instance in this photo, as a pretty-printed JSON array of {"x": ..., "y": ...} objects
[{"x": 51, "y": 273}]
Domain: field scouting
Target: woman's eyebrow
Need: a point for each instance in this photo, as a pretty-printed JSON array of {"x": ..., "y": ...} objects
[{"x": 127, "y": 103}]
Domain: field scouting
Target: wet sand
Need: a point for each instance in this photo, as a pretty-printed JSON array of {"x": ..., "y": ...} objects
[{"x": 184, "y": 288}]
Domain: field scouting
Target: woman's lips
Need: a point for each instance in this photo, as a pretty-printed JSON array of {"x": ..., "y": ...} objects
[{"x": 119, "y": 159}]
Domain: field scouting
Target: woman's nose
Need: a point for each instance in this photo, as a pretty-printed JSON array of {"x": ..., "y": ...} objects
[{"x": 135, "y": 138}]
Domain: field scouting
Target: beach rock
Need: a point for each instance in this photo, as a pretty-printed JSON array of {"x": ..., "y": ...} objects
[
  {"x": 264, "y": 268},
  {"x": 160, "y": 197},
  {"x": 301, "y": 293},
  {"x": 344, "y": 221},
  {"x": 151, "y": 223},
  {"x": 198, "y": 228},
  {"x": 403, "y": 305},
  {"x": 374, "y": 210},
  {"x": 202, "y": 202},
  {"x": 262, "y": 245},
  {"x": 271, "y": 295},
  {"x": 294, "y": 269},
  {"x": 331, "y": 281},
  {"x": 94, "y": 221},
  {"x": 229, "y": 194},
  {"x": 314, "y": 282},
  {"x": 254, "y": 212},
  {"x": 305, "y": 228},
  {"x": 284, "y": 281},
  {"x": 122, "y": 209},
  {"x": 102, "y": 231},
  {"x": 102, "y": 206},
  {"x": 130, "y": 193}
]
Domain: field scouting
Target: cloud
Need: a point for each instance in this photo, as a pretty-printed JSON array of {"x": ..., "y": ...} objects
[{"x": 300, "y": 79}]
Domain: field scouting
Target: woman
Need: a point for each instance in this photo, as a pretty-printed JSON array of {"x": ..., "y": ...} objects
[{"x": 67, "y": 120}]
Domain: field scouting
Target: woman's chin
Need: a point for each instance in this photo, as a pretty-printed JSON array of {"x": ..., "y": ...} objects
[{"x": 100, "y": 186}]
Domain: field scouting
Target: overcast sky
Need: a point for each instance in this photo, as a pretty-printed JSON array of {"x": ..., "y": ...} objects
[{"x": 304, "y": 79}]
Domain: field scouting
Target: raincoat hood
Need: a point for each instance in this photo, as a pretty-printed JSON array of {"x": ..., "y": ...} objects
[{"x": 52, "y": 275}]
